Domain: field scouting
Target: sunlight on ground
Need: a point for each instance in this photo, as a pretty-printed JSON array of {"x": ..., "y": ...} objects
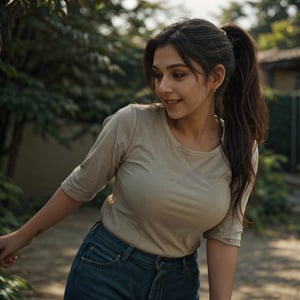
[
  {"x": 47, "y": 291},
  {"x": 268, "y": 269},
  {"x": 53, "y": 289}
]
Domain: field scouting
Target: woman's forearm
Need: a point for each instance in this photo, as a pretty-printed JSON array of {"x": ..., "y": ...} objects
[
  {"x": 57, "y": 208},
  {"x": 222, "y": 261}
]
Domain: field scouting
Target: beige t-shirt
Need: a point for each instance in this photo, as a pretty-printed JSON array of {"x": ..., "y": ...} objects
[{"x": 165, "y": 196}]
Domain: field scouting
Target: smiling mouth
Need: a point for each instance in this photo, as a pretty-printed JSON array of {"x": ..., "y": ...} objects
[{"x": 171, "y": 103}]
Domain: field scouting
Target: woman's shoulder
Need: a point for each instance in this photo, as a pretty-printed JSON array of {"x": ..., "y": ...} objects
[
  {"x": 139, "y": 108},
  {"x": 146, "y": 108},
  {"x": 142, "y": 112},
  {"x": 134, "y": 114}
]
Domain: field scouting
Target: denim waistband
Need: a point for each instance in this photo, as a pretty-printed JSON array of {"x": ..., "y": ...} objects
[{"x": 127, "y": 251}]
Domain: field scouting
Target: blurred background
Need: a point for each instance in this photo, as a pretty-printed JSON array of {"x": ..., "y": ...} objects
[{"x": 66, "y": 65}]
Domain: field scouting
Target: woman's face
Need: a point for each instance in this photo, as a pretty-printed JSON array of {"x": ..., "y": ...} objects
[{"x": 182, "y": 93}]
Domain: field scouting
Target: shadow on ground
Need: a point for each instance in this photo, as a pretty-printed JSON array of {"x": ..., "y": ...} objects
[{"x": 269, "y": 267}]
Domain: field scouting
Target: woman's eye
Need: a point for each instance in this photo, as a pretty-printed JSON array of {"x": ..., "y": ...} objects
[{"x": 178, "y": 75}]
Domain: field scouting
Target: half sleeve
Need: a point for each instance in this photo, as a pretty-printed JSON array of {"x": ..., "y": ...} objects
[
  {"x": 104, "y": 158},
  {"x": 230, "y": 229}
]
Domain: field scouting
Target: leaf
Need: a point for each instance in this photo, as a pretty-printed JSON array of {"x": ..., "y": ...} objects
[
  {"x": 9, "y": 2},
  {"x": 63, "y": 6}
]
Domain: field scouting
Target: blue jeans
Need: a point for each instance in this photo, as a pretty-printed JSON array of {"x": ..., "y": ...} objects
[{"x": 107, "y": 268}]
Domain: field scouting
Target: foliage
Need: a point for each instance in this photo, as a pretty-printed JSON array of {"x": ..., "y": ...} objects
[
  {"x": 11, "y": 197},
  {"x": 277, "y": 38},
  {"x": 80, "y": 66},
  {"x": 11, "y": 287},
  {"x": 63, "y": 61},
  {"x": 15, "y": 208},
  {"x": 269, "y": 208},
  {"x": 233, "y": 13},
  {"x": 272, "y": 23},
  {"x": 26, "y": 100},
  {"x": 267, "y": 12},
  {"x": 11, "y": 9}
]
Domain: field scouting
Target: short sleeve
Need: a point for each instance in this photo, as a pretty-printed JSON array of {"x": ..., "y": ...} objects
[
  {"x": 230, "y": 229},
  {"x": 104, "y": 157}
]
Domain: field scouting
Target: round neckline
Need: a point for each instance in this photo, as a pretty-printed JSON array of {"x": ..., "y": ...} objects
[{"x": 182, "y": 147}]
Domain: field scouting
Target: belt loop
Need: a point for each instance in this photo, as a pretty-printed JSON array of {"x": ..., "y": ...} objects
[
  {"x": 126, "y": 253},
  {"x": 184, "y": 264},
  {"x": 157, "y": 262},
  {"x": 95, "y": 226}
]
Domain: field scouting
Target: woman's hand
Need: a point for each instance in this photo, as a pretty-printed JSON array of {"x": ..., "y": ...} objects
[
  {"x": 8, "y": 261},
  {"x": 57, "y": 208},
  {"x": 9, "y": 245}
]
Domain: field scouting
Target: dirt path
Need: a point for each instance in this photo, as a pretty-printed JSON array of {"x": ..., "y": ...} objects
[{"x": 269, "y": 268}]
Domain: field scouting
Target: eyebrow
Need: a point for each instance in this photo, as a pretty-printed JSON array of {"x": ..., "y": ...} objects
[{"x": 172, "y": 66}]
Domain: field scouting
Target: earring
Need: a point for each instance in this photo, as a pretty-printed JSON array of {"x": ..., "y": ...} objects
[{"x": 215, "y": 90}]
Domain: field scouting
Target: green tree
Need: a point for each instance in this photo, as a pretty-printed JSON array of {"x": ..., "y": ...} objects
[
  {"x": 285, "y": 34},
  {"x": 79, "y": 66},
  {"x": 267, "y": 12},
  {"x": 62, "y": 62},
  {"x": 233, "y": 13},
  {"x": 272, "y": 23}
]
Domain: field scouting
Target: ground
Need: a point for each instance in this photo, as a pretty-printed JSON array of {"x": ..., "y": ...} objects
[{"x": 269, "y": 266}]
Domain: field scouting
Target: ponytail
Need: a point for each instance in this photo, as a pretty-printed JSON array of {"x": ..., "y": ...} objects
[
  {"x": 239, "y": 101},
  {"x": 244, "y": 111}
]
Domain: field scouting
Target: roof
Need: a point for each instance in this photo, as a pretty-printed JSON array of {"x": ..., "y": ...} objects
[{"x": 278, "y": 55}]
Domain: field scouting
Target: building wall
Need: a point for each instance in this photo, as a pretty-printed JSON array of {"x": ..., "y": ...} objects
[
  {"x": 285, "y": 80},
  {"x": 42, "y": 165}
]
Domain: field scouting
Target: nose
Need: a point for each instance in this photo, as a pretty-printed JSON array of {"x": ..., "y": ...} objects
[{"x": 164, "y": 85}]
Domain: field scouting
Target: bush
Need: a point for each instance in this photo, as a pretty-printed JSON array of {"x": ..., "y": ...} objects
[
  {"x": 11, "y": 286},
  {"x": 270, "y": 206},
  {"x": 10, "y": 200},
  {"x": 11, "y": 197}
]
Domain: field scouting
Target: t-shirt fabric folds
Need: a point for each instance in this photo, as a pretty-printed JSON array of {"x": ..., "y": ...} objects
[{"x": 165, "y": 197}]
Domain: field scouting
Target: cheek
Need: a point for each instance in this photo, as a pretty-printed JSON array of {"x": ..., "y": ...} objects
[
  {"x": 201, "y": 89},
  {"x": 193, "y": 87},
  {"x": 194, "y": 91}
]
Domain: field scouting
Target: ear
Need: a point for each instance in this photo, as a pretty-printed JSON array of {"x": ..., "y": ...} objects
[{"x": 217, "y": 76}]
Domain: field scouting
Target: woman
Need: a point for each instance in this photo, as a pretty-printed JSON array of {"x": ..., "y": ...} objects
[{"x": 183, "y": 169}]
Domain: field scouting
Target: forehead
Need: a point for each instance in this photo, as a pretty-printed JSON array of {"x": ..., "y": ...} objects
[{"x": 166, "y": 55}]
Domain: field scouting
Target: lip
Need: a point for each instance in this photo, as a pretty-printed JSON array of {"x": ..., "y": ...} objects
[{"x": 171, "y": 103}]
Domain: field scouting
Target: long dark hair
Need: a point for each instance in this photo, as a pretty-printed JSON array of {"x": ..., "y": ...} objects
[{"x": 239, "y": 101}]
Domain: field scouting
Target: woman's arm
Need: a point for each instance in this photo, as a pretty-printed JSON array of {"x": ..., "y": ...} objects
[
  {"x": 56, "y": 209},
  {"x": 221, "y": 262}
]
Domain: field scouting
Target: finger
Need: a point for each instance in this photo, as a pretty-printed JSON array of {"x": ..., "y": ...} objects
[
  {"x": 4, "y": 254},
  {"x": 8, "y": 261}
]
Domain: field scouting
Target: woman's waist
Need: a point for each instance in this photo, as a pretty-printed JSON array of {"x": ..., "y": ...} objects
[{"x": 140, "y": 254}]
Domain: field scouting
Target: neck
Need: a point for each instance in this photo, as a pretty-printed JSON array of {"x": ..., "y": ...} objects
[{"x": 202, "y": 133}]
